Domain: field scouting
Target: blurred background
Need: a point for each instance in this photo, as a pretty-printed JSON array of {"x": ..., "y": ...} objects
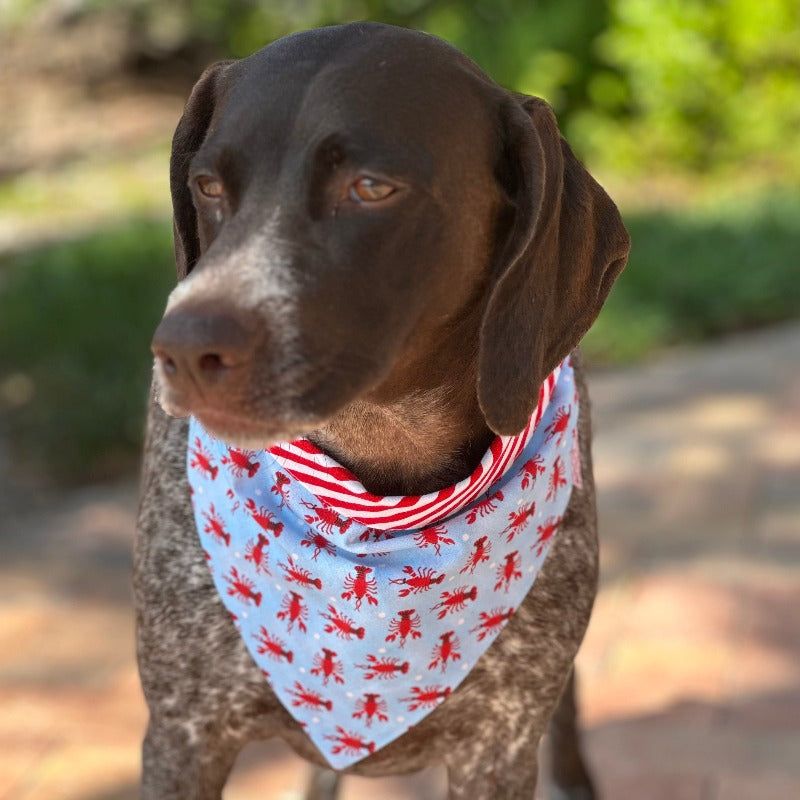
[{"x": 688, "y": 111}]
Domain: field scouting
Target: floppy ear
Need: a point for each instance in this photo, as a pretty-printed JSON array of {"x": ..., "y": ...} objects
[
  {"x": 188, "y": 138},
  {"x": 566, "y": 246}
]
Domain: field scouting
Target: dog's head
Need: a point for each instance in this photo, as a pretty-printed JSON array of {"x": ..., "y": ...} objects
[{"x": 357, "y": 207}]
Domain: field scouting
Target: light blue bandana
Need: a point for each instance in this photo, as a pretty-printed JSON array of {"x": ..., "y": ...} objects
[{"x": 364, "y": 629}]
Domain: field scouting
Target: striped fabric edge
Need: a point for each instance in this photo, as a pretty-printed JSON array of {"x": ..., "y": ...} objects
[{"x": 339, "y": 489}]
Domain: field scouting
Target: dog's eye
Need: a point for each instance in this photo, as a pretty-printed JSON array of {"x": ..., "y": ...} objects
[
  {"x": 209, "y": 187},
  {"x": 370, "y": 190}
]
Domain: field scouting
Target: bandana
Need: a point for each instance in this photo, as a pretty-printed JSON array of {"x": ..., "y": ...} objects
[{"x": 365, "y": 612}]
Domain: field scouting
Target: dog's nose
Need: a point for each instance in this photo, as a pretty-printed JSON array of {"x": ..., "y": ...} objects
[{"x": 198, "y": 348}]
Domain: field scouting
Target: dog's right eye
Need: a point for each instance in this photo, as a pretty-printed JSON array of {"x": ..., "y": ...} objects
[{"x": 209, "y": 187}]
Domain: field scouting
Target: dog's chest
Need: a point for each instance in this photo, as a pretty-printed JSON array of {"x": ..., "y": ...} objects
[{"x": 365, "y": 613}]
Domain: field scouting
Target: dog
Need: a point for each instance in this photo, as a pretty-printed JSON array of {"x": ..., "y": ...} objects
[{"x": 384, "y": 252}]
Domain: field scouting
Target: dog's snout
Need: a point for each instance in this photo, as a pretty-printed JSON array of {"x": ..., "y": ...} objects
[{"x": 197, "y": 349}]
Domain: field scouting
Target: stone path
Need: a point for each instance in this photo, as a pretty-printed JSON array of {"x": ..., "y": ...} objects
[{"x": 690, "y": 674}]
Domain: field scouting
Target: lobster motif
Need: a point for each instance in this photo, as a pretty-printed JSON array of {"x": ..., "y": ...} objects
[
  {"x": 326, "y": 665},
  {"x": 417, "y": 581},
  {"x": 531, "y": 470},
  {"x": 358, "y": 585},
  {"x": 293, "y": 610},
  {"x": 545, "y": 533},
  {"x": 319, "y": 543},
  {"x": 384, "y": 668},
  {"x": 429, "y": 697},
  {"x": 240, "y": 462},
  {"x": 341, "y": 625},
  {"x": 492, "y": 621},
  {"x": 448, "y": 649},
  {"x": 454, "y": 601},
  {"x": 404, "y": 625},
  {"x": 281, "y": 488},
  {"x": 202, "y": 460},
  {"x": 481, "y": 549},
  {"x": 326, "y": 519},
  {"x": 299, "y": 575},
  {"x": 509, "y": 571},
  {"x": 348, "y": 742},
  {"x": 272, "y": 647},
  {"x": 308, "y": 698},
  {"x": 433, "y": 536},
  {"x": 485, "y": 507},
  {"x": 257, "y": 555},
  {"x": 263, "y": 518},
  {"x": 557, "y": 479},
  {"x": 558, "y": 427},
  {"x": 215, "y": 526},
  {"x": 371, "y": 706},
  {"x": 242, "y": 587},
  {"x": 518, "y": 521}
]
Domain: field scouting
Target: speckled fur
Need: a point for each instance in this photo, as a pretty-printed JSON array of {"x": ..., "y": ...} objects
[
  {"x": 562, "y": 244},
  {"x": 208, "y": 699}
]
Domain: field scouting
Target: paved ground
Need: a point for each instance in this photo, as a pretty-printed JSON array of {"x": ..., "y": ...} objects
[{"x": 691, "y": 669}]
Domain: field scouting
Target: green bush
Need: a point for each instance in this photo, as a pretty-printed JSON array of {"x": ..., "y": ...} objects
[{"x": 75, "y": 324}]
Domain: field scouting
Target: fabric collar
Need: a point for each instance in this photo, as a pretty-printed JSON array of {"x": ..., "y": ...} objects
[{"x": 366, "y": 612}]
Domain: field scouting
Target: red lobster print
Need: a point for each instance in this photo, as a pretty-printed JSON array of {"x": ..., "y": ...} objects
[
  {"x": 215, "y": 526},
  {"x": 491, "y": 621},
  {"x": 308, "y": 698},
  {"x": 299, "y": 575},
  {"x": 480, "y": 552},
  {"x": 371, "y": 706},
  {"x": 341, "y": 625},
  {"x": 257, "y": 555},
  {"x": 417, "y": 581},
  {"x": 326, "y": 519},
  {"x": 557, "y": 479},
  {"x": 558, "y": 427},
  {"x": 293, "y": 609},
  {"x": 263, "y": 518},
  {"x": 230, "y": 494},
  {"x": 201, "y": 460},
  {"x": 546, "y": 532},
  {"x": 429, "y": 697},
  {"x": 454, "y": 601},
  {"x": 508, "y": 571},
  {"x": 386, "y": 668},
  {"x": 272, "y": 646},
  {"x": 404, "y": 625},
  {"x": 326, "y": 665},
  {"x": 319, "y": 543},
  {"x": 448, "y": 649},
  {"x": 240, "y": 461},
  {"x": 531, "y": 470},
  {"x": 518, "y": 520},
  {"x": 242, "y": 587},
  {"x": 281, "y": 488},
  {"x": 374, "y": 535},
  {"x": 350, "y": 743},
  {"x": 434, "y": 537},
  {"x": 360, "y": 586},
  {"x": 485, "y": 507}
]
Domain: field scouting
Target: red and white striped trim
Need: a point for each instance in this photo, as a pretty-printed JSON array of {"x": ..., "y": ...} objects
[{"x": 338, "y": 488}]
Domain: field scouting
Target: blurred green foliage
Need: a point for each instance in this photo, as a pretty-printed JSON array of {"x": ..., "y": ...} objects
[
  {"x": 76, "y": 320},
  {"x": 696, "y": 85},
  {"x": 694, "y": 100}
]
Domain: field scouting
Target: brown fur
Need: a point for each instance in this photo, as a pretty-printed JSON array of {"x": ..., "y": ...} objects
[{"x": 512, "y": 249}]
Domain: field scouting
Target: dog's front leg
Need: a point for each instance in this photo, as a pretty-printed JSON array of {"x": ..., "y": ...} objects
[
  {"x": 185, "y": 762},
  {"x": 492, "y": 773}
]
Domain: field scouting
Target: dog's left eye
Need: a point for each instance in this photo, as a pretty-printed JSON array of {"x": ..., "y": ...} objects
[
  {"x": 370, "y": 190},
  {"x": 209, "y": 187}
]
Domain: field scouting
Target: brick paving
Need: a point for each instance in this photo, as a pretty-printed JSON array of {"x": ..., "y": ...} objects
[{"x": 690, "y": 673}]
